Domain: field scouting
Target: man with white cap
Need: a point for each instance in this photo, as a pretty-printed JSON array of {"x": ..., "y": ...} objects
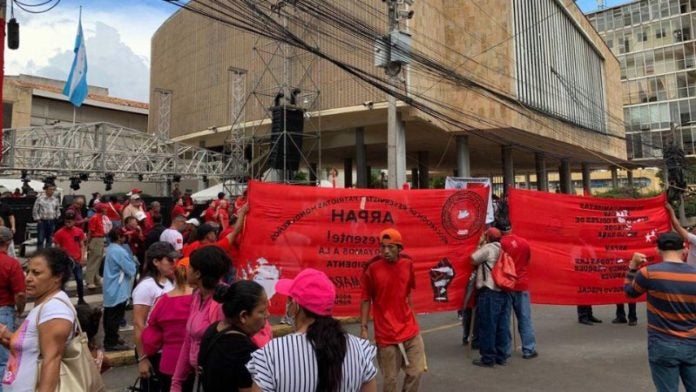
[
  {"x": 387, "y": 282},
  {"x": 134, "y": 208}
]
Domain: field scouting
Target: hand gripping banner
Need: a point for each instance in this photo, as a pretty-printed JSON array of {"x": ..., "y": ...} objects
[
  {"x": 581, "y": 246},
  {"x": 290, "y": 228}
]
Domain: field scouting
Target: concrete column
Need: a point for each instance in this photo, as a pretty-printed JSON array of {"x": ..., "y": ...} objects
[
  {"x": 401, "y": 153},
  {"x": 414, "y": 178},
  {"x": 508, "y": 169},
  {"x": 564, "y": 176},
  {"x": 586, "y": 183},
  {"x": 629, "y": 178},
  {"x": 541, "y": 174},
  {"x": 361, "y": 158},
  {"x": 423, "y": 170},
  {"x": 368, "y": 174},
  {"x": 313, "y": 173},
  {"x": 527, "y": 180},
  {"x": 463, "y": 156},
  {"x": 396, "y": 150},
  {"x": 348, "y": 172},
  {"x": 614, "y": 177}
]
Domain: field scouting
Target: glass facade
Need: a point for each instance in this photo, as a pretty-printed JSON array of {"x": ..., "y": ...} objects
[{"x": 654, "y": 42}]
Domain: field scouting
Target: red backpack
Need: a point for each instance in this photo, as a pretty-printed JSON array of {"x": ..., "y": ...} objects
[{"x": 503, "y": 272}]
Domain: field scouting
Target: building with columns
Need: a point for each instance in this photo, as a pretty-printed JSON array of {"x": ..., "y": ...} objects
[{"x": 557, "y": 105}]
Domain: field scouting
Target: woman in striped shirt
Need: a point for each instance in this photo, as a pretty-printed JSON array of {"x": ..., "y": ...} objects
[{"x": 320, "y": 356}]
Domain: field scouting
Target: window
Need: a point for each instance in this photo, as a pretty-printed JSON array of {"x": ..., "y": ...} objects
[
  {"x": 7, "y": 114},
  {"x": 553, "y": 55},
  {"x": 659, "y": 32},
  {"x": 659, "y": 61},
  {"x": 682, "y": 85},
  {"x": 649, "y": 63}
]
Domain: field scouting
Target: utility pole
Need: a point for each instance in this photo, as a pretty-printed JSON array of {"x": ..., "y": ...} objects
[
  {"x": 3, "y": 16},
  {"x": 397, "y": 44}
]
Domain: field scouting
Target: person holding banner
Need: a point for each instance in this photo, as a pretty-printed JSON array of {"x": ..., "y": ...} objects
[
  {"x": 387, "y": 282},
  {"x": 670, "y": 307},
  {"x": 518, "y": 248},
  {"x": 494, "y": 305},
  {"x": 685, "y": 235}
]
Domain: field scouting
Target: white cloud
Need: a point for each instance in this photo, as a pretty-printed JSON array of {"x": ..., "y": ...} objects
[{"x": 118, "y": 47}]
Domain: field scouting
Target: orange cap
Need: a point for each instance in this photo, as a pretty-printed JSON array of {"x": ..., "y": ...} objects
[{"x": 390, "y": 236}]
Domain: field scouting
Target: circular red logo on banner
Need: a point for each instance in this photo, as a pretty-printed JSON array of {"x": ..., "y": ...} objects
[{"x": 463, "y": 214}]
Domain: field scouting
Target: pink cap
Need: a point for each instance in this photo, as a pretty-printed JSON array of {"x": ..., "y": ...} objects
[{"x": 311, "y": 289}]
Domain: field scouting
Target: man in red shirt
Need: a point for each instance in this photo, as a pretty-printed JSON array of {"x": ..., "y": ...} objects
[
  {"x": 12, "y": 290},
  {"x": 518, "y": 249},
  {"x": 387, "y": 282},
  {"x": 97, "y": 227},
  {"x": 71, "y": 239}
]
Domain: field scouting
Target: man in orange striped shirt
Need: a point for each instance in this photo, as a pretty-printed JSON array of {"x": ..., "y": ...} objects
[{"x": 671, "y": 305}]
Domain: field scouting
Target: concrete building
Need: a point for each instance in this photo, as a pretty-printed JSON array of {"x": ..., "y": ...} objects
[
  {"x": 654, "y": 42},
  {"x": 30, "y": 101},
  {"x": 559, "y": 106},
  {"x": 35, "y": 101}
]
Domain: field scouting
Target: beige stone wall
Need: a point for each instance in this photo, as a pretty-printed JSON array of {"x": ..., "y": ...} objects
[
  {"x": 21, "y": 105},
  {"x": 191, "y": 56}
]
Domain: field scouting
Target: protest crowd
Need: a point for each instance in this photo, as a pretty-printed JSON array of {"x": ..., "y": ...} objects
[{"x": 201, "y": 324}]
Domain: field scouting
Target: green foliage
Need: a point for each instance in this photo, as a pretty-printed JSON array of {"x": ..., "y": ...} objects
[
  {"x": 626, "y": 193},
  {"x": 437, "y": 183}
]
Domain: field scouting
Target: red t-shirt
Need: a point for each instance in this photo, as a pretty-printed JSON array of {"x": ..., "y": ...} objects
[
  {"x": 518, "y": 249},
  {"x": 11, "y": 279},
  {"x": 69, "y": 239},
  {"x": 222, "y": 243},
  {"x": 209, "y": 216},
  {"x": 388, "y": 287},
  {"x": 178, "y": 210},
  {"x": 113, "y": 211},
  {"x": 95, "y": 226}
]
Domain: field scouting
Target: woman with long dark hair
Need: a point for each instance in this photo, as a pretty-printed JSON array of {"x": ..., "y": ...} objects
[
  {"x": 206, "y": 267},
  {"x": 320, "y": 356},
  {"x": 227, "y": 344},
  {"x": 155, "y": 280}
]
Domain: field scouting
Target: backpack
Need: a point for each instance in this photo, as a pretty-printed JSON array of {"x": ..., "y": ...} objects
[{"x": 503, "y": 272}]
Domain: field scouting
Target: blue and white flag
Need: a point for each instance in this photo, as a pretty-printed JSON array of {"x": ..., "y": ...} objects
[{"x": 76, "y": 86}]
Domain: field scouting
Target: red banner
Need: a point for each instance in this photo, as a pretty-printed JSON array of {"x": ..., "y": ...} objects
[
  {"x": 290, "y": 228},
  {"x": 581, "y": 246}
]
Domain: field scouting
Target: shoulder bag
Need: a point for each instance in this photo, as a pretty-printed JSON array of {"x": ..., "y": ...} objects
[{"x": 78, "y": 372}]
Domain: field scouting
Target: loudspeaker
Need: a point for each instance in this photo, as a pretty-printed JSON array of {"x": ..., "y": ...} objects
[{"x": 286, "y": 147}]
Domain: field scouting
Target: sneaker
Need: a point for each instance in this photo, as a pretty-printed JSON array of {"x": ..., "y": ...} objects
[
  {"x": 531, "y": 355},
  {"x": 125, "y": 328},
  {"x": 478, "y": 362},
  {"x": 501, "y": 363},
  {"x": 619, "y": 320},
  {"x": 118, "y": 347},
  {"x": 91, "y": 287},
  {"x": 633, "y": 323},
  {"x": 595, "y": 320}
]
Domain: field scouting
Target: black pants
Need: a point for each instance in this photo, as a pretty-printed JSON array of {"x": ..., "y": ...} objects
[
  {"x": 79, "y": 281},
  {"x": 112, "y": 321},
  {"x": 621, "y": 313},
  {"x": 584, "y": 312}
]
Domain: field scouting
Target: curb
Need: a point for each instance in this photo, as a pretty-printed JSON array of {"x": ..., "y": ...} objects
[{"x": 127, "y": 358}]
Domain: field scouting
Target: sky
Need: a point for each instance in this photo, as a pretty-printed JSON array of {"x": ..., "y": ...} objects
[
  {"x": 117, "y": 34},
  {"x": 117, "y": 38}
]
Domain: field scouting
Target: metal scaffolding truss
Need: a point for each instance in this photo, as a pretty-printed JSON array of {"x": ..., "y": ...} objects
[
  {"x": 282, "y": 68},
  {"x": 106, "y": 148}
]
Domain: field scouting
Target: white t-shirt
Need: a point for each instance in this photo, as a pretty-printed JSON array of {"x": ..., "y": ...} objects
[
  {"x": 147, "y": 291},
  {"x": 20, "y": 374},
  {"x": 173, "y": 237},
  {"x": 289, "y": 364},
  {"x": 691, "y": 257}
]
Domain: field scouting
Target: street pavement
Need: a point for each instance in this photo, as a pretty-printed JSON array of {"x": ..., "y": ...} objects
[{"x": 572, "y": 357}]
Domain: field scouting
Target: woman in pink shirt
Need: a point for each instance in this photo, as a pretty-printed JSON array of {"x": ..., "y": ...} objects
[
  {"x": 207, "y": 266},
  {"x": 166, "y": 327}
]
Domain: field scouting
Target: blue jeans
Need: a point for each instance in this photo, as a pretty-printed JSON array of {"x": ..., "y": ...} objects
[
  {"x": 523, "y": 311},
  {"x": 79, "y": 281},
  {"x": 670, "y": 360},
  {"x": 7, "y": 317},
  {"x": 493, "y": 313},
  {"x": 45, "y": 227}
]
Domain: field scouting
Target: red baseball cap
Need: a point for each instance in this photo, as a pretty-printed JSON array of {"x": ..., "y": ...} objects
[
  {"x": 133, "y": 191},
  {"x": 493, "y": 234},
  {"x": 390, "y": 236},
  {"x": 311, "y": 289}
]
